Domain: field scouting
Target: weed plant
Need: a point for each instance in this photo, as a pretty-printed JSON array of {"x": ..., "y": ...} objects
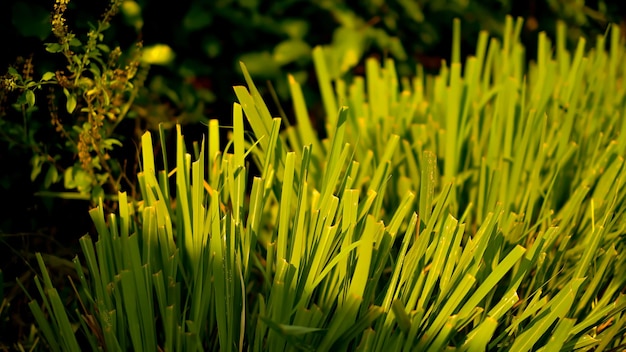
[
  {"x": 98, "y": 84},
  {"x": 478, "y": 209}
]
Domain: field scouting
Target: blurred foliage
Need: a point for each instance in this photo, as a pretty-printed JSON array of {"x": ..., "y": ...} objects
[
  {"x": 275, "y": 38},
  {"x": 195, "y": 44},
  {"x": 190, "y": 48}
]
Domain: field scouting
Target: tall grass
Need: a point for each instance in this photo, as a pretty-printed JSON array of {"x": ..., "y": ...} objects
[{"x": 479, "y": 209}]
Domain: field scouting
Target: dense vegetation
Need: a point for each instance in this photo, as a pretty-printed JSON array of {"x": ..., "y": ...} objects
[{"x": 474, "y": 203}]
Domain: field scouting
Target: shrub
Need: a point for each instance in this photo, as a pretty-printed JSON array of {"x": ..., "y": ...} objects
[
  {"x": 98, "y": 85},
  {"x": 479, "y": 209}
]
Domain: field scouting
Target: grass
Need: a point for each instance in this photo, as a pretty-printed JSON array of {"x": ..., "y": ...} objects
[{"x": 479, "y": 209}]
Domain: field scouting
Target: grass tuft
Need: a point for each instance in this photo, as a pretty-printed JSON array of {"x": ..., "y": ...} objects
[{"x": 478, "y": 209}]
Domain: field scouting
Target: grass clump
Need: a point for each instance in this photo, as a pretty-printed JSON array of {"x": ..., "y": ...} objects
[{"x": 479, "y": 209}]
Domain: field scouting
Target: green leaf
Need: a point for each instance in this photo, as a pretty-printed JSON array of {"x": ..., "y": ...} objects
[
  {"x": 325, "y": 76},
  {"x": 37, "y": 163},
  {"x": 348, "y": 46},
  {"x": 52, "y": 176},
  {"x": 13, "y": 72},
  {"x": 260, "y": 64},
  {"x": 48, "y": 76},
  {"x": 97, "y": 192},
  {"x": 412, "y": 9},
  {"x": 30, "y": 98},
  {"x": 103, "y": 48},
  {"x": 479, "y": 338},
  {"x": 53, "y": 47},
  {"x": 68, "y": 178},
  {"x": 75, "y": 42},
  {"x": 83, "y": 181},
  {"x": 397, "y": 49},
  {"x": 109, "y": 143},
  {"x": 291, "y": 50},
  {"x": 71, "y": 101},
  {"x": 22, "y": 99},
  {"x": 557, "y": 308}
]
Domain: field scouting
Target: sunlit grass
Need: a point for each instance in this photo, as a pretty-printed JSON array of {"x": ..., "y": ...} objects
[{"x": 479, "y": 209}]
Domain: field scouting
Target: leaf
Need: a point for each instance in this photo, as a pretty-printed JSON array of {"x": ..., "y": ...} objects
[
  {"x": 289, "y": 330},
  {"x": 260, "y": 64},
  {"x": 97, "y": 192},
  {"x": 478, "y": 339},
  {"x": 48, "y": 76},
  {"x": 54, "y": 47},
  {"x": 412, "y": 9},
  {"x": 103, "y": 48},
  {"x": 109, "y": 143},
  {"x": 75, "y": 42},
  {"x": 325, "y": 74},
  {"x": 397, "y": 49},
  {"x": 71, "y": 101},
  {"x": 13, "y": 72},
  {"x": 557, "y": 308},
  {"x": 291, "y": 50},
  {"x": 22, "y": 99},
  {"x": 52, "y": 176},
  {"x": 71, "y": 104},
  {"x": 37, "y": 162},
  {"x": 348, "y": 45},
  {"x": 30, "y": 98},
  {"x": 83, "y": 181},
  {"x": 68, "y": 178}
]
